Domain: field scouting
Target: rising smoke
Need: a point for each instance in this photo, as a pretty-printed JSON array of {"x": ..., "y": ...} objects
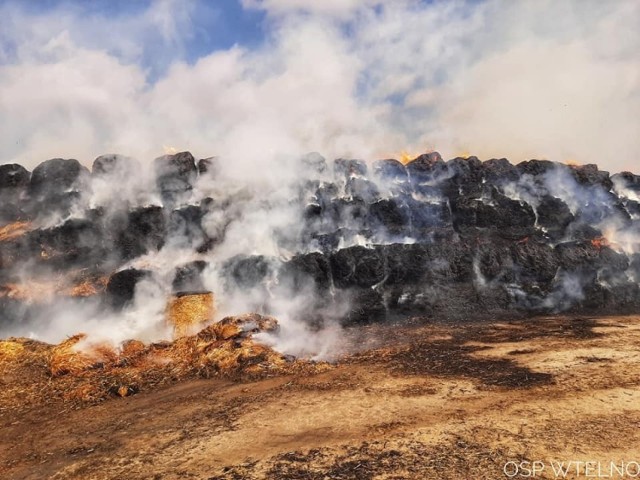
[{"x": 526, "y": 79}]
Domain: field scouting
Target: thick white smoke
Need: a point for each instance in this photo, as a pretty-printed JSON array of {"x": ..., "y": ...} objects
[{"x": 526, "y": 79}]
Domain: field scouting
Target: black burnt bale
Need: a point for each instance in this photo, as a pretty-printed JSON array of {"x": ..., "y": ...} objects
[
  {"x": 307, "y": 269},
  {"x": 590, "y": 175},
  {"x": 348, "y": 213},
  {"x": 362, "y": 189},
  {"x": 390, "y": 170},
  {"x": 538, "y": 167},
  {"x": 535, "y": 262},
  {"x": 325, "y": 241},
  {"x": 188, "y": 277},
  {"x": 632, "y": 208},
  {"x": 247, "y": 271},
  {"x": 554, "y": 215},
  {"x": 345, "y": 168},
  {"x": 113, "y": 164},
  {"x": 464, "y": 177},
  {"x": 498, "y": 171},
  {"x": 627, "y": 180},
  {"x": 76, "y": 243},
  {"x": 314, "y": 163},
  {"x": 57, "y": 176},
  {"x": 449, "y": 262},
  {"x": 428, "y": 167},
  {"x": 393, "y": 215},
  {"x": 175, "y": 175},
  {"x": 578, "y": 256},
  {"x": 121, "y": 287},
  {"x": 406, "y": 264},
  {"x": 143, "y": 230},
  {"x": 357, "y": 266},
  {"x": 184, "y": 227},
  {"x": 209, "y": 166},
  {"x": 326, "y": 192},
  {"x": 493, "y": 263},
  {"x": 13, "y": 176},
  {"x": 602, "y": 206},
  {"x": 366, "y": 305},
  {"x": 506, "y": 216}
]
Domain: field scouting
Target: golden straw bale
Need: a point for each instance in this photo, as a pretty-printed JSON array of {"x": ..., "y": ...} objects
[
  {"x": 10, "y": 350},
  {"x": 189, "y": 312}
]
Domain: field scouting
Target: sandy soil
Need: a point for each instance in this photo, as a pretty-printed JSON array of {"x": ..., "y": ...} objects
[{"x": 449, "y": 401}]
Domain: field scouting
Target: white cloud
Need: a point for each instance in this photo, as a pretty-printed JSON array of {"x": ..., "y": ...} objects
[{"x": 519, "y": 79}]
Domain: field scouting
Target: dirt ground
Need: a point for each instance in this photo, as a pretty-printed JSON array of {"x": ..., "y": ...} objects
[{"x": 423, "y": 400}]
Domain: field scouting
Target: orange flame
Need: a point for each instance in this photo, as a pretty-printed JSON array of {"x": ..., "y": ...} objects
[{"x": 600, "y": 243}]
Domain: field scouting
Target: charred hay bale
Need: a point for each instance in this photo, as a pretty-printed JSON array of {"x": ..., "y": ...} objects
[
  {"x": 75, "y": 243},
  {"x": 405, "y": 263},
  {"x": 248, "y": 271},
  {"x": 578, "y": 256},
  {"x": 590, "y": 175},
  {"x": 493, "y": 264},
  {"x": 534, "y": 262},
  {"x": 604, "y": 208},
  {"x": 391, "y": 214},
  {"x": 362, "y": 189},
  {"x": 538, "y": 167},
  {"x": 425, "y": 215},
  {"x": 113, "y": 165},
  {"x": 141, "y": 231},
  {"x": 305, "y": 269},
  {"x": 626, "y": 180},
  {"x": 347, "y": 213},
  {"x": 464, "y": 177},
  {"x": 175, "y": 175},
  {"x": 326, "y": 192},
  {"x": 498, "y": 171},
  {"x": 506, "y": 216},
  {"x": 188, "y": 277},
  {"x": 553, "y": 215},
  {"x": 13, "y": 176},
  {"x": 184, "y": 227},
  {"x": 450, "y": 262},
  {"x": 390, "y": 170},
  {"x": 121, "y": 287},
  {"x": 12, "y": 207},
  {"x": 56, "y": 176},
  {"x": 366, "y": 305},
  {"x": 188, "y": 312},
  {"x": 427, "y": 168},
  {"x": 314, "y": 163},
  {"x": 632, "y": 208},
  {"x": 209, "y": 166},
  {"x": 582, "y": 232},
  {"x": 357, "y": 266},
  {"x": 346, "y": 168}
]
